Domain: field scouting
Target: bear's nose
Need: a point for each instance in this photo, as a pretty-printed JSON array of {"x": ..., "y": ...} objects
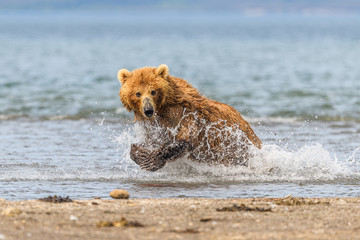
[
  {"x": 149, "y": 112},
  {"x": 148, "y": 108}
]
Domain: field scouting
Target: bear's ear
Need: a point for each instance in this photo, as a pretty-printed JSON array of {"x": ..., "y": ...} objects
[
  {"x": 163, "y": 71},
  {"x": 123, "y": 74}
]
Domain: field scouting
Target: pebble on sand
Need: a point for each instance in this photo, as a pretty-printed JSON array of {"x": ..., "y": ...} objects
[{"x": 119, "y": 194}]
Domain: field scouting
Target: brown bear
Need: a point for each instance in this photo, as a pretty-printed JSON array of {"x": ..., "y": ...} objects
[{"x": 179, "y": 121}]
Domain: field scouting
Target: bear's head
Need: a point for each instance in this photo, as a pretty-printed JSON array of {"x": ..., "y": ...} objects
[{"x": 145, "y": 91}]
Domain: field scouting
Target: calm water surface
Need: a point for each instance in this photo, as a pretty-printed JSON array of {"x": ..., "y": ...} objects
[{"x": 64, "y": 131}]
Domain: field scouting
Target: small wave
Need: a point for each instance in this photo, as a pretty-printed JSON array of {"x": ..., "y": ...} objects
[
  {"x": 122, "y": 115},
  {"x": 109, "y": 117},
  {"x": 8, "y": 117},
  {"x": 273, "y": 119},
  {"x": 5, "y": 117},
  {"x": 303, "y": 118}
]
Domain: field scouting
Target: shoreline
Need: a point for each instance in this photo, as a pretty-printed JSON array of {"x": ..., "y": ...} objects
[{"x": 248, "y": 218}]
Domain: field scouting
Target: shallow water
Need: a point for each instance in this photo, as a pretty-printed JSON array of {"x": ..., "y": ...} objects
[{"x": 64, "y": 131}]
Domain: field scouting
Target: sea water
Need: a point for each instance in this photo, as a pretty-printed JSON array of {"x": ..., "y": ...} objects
[{"x": 64, "y": 131}]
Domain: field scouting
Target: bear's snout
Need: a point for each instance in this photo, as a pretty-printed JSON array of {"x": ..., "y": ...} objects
[{"x": 148, "y": 108}]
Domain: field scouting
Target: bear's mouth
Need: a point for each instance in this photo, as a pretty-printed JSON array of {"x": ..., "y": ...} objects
[{"x": 149, "y": 112}]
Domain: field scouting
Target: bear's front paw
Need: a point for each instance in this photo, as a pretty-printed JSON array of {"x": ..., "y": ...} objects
[
  {"x": 145, "y": 158},
  {"x": 153, "y": 162},
  {"x": 139, "y": 154}
]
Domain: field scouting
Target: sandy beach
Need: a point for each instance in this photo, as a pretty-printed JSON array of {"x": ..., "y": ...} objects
[{"x": 258, "y": 218}]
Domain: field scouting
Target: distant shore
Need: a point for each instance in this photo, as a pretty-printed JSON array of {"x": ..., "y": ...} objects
[{"x": 257, "y": 218}]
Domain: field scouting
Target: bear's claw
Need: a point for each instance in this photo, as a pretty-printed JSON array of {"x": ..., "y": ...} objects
[{"x": 154, "y": 160}]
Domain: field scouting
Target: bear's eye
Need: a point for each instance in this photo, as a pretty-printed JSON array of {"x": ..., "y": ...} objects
[
  {"x": 153, "y": 92},
  {"x": 138, "y": 94}
]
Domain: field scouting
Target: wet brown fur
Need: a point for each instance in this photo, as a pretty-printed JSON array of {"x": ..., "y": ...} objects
[{"x": 176, "y": 98}]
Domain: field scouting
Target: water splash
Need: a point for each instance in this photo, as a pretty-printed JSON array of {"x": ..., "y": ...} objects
[{"x": 273, "y": 163}]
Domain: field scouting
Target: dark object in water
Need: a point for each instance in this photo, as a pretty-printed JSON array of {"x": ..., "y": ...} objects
[
  {"x": 205, "y": 219},
  {"x": 56, "y": 199},
  {"x": 243, "y": 207}
]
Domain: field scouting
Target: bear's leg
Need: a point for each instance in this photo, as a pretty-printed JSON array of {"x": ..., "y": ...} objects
[{"x": 154, "y": 160}]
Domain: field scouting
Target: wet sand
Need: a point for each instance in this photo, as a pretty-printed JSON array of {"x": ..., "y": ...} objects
[{"x": 260, "y": 218}]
